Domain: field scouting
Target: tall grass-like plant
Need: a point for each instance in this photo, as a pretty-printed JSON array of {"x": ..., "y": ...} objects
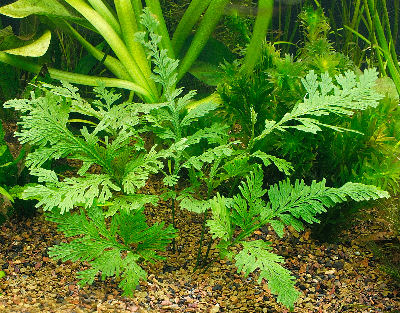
[
  {"x": 117, "y": 23},
  {"x": 381, "y": 30}
]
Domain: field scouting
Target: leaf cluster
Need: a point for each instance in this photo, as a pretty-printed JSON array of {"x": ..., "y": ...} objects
[
  {"x": 235, "y": 219},
  {"x": 100, "y": 204}
]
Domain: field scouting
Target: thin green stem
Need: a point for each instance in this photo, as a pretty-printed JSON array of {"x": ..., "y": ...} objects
[
  {"x": 75, "y": 78},
  {"x": 129, "y": 26},
  {"x": 113, "y": 64},
  {"x": 155, "y": 8},
  {"x": 106, "y": 13},
  {"x": 370, "y": 27},
  {"x": 206, "y": 27},
  {"x": 173, "y": 224},
  {"x": 352, "y": 25},
  {"x": 253, "y": 51},
  {"x": 396, "y": 22},
  {"x": 187, "y": 22},
  {"x": 203, "y": 230},
  {"x": 384, "y": 45},
  {"x": 210, "y": 242},
  {"x": 199, "y": 259},
  {"x": 392, "y": 47}
]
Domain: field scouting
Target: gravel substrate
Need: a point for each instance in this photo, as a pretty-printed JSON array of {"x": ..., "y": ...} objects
[{"x": 332, "y": 277}]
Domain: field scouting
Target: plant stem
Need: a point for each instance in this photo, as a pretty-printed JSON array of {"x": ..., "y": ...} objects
[
  {"x": 206, "y": 27},
  {"x": 75, "y": 78},
  {"x": 203, "y": 230},
  {"x": 173, "y": 224},
  {"x": 393, "y": 69},
  {"x": 374, "y": 43},
  {"x": 155, "y": 8},
  {"x": 129, "y": 26},
  {"x": 188, "y": 20},
  {"x": 204, "y": 263},
  {"x": 199, "y": 259},
  {"x": 138, "y": 10},
  {"x": 113, "y": 64},
  {"x": 389, "y": 35},
  {"x": 263, "y": 19},
  {"x": 396, "y": 22}
]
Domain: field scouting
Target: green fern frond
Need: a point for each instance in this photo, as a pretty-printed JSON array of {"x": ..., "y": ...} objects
[
  {"x": 132, "y": 275},
  {"x": 304, "y": 202},
  {"x": 324, "y": 96},
  {"x": 256, "y": 255},
  {"x": 128, "y": 203},
  {"x": 194, "y": 205},
  {"x": 113, "y": 250},
  {"x": 72, "y": 191},
  {"x": 137, "y": 171},
  {"x": 220, "y": 226},
  {"x": 199, "y": 111},
  {"x": 210, "y": 156},
  {"x": 267, "y": 159}
]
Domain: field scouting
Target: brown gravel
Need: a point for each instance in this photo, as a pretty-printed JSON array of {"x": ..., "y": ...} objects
[{"x": 332, "y": 278}]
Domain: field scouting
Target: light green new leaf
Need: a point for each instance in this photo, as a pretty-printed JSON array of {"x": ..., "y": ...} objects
[
  {"x": 51, "y": 8},
  {"x": 282, "y": 165},
  {"x": 6, "y": 194},
  {"x": 256, "y": 255},
  {"x": 170, "y": 180},
  {"x": 220, "y": 224},
  {"x": 31, "y": 48},
  {"x": 199, "y": 111},
  {"x": 35, "y": 46},
  {"x": 194, "y": 205}
]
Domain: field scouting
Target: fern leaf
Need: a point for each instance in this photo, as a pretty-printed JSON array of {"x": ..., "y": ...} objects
[
  {"x": 130, "y": 203},
  {"x": 139, "y": 168},
  {"x": 209, "y": 156},
  {"x": 132, "y": 275},
  {"x": 256, "y": 255},
  {"x": 199, "y": 111},
  {"x": 72, "y": 191},
  {"x": 220, "y": 224},
  {"x": 304, "y": 202},
  {"x": 282, "y": 165},
  {"x": 111, "y": 249},
  {"x": 194, "y": 205}
]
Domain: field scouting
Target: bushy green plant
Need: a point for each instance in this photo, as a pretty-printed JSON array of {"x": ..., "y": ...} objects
[
  {"x": 102, "y": 204},
  {"x": 368, "y": 153},
  {"x": 235, "y": 219},
  {"x": 123, "y": 165}
]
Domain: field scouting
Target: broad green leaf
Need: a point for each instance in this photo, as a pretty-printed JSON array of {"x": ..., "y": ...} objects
[
  {"x": 51, "y": 8},
  {"x": 386, "y": 86},
  {"x": 35, "y": 47}
]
